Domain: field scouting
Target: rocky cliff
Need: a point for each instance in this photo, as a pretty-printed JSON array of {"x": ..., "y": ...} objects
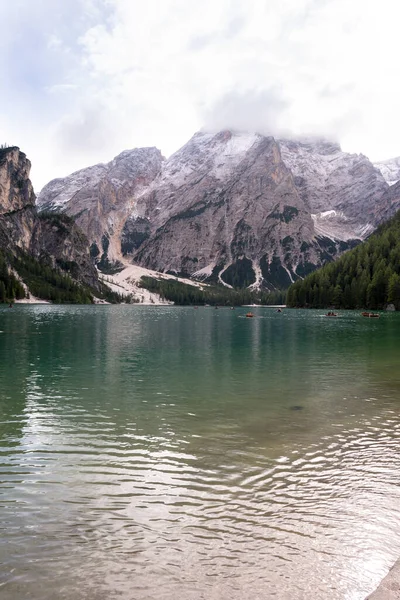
[
  {"x": 389, "y": 203},
  {"x": 390, "y": 169},
  {"x": 240, "y": 208},
  {"x": 54, "y": 241}
]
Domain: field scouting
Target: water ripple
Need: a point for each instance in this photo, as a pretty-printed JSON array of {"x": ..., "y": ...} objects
[{"x": 171, "y": 499}]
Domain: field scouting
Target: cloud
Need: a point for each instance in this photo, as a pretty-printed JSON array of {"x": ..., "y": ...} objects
[
  {"x": 84, "y": 79},
  {"x": 261, "y": 111}
]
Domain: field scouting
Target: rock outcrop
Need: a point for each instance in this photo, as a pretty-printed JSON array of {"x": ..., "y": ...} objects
[
  {"x": 240, "y": 208},
  {"x": 56, "y": 241}
]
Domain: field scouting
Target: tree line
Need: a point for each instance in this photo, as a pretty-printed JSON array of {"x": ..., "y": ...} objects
[
  {"x": 10, "y": 287},
  {"x": 185, "y": 294},
  {"x": 366, "y": 277}
]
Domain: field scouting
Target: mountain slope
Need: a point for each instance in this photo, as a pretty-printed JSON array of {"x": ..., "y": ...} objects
[
  {"x": 226, "y": 208},
  {"x": 239, "y": 208},
  {"x": 102, "y": 197},
  {"x": 340, "y": 189},
  {"x": 366, "y": 277}
]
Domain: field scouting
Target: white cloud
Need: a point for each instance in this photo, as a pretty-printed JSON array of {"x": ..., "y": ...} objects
[{"x": 114, "y": 74}]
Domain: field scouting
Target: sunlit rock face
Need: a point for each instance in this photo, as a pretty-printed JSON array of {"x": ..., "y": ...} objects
[{"x": 239, "y": 208}]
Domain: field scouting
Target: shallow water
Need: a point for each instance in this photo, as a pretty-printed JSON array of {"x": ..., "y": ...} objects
[{"x": 163, "y": 452}]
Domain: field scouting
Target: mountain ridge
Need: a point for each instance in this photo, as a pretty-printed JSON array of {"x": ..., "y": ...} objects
[{"x": 235, "y": 207}]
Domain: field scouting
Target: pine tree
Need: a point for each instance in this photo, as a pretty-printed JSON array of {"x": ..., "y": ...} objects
[{"x": 394, "y": 290}]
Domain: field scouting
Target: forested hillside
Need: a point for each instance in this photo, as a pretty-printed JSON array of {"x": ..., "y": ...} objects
[
  {"x": 45, "y": 282},
  {"x": 366, "y": 277},
  {"x": 218, "y": 295}
]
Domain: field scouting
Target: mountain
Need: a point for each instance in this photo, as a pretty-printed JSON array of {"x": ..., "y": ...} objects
[
  {"x": 239, "y": 208},
  {"x": 46, "y": 249},
  {"x": 341, "y": 189},
  {"x": 101, "y": 198},
  {"x": 366, "y": 277},
  {"x": 390, "y": 169}
]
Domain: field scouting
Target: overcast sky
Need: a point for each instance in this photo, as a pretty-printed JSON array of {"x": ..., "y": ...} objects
[{"x": 82, "y": 80}]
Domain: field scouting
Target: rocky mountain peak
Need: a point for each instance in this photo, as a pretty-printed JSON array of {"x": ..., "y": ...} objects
[{"x": 16, "y": 191}]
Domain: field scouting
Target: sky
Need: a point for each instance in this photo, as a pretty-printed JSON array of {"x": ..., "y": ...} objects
[{"x": 83, "y": 80}]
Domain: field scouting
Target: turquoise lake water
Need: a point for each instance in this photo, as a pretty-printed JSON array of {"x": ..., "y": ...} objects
[{"x": 164, "y": 453}]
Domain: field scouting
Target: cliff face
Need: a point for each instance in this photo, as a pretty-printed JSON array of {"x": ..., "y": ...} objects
[
  {"x": 50, "y": 240},
  {"x": 240, "y": 208},
  {"x": 17, "y": 199},
  {"x": 389, "y": 204},
  {"x": 16, "y": 191},
  {"x": 390, "y": 169},
  {"x": 102, "y": 197}
]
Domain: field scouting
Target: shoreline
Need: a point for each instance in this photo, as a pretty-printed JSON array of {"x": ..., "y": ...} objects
[{"x": 389, "y": 587}]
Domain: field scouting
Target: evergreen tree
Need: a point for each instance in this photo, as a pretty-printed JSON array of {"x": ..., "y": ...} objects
[{"x": 394, "y": 290}]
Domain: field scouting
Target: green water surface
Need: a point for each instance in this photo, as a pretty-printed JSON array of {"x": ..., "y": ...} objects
[{"x": 166, "y": 452}]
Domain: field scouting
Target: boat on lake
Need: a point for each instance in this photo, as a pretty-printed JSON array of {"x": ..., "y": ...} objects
[
  {"x": 331, "y": 314},
  {"x": 249, "y": 315},
  {"x": 370, "y": 315}
]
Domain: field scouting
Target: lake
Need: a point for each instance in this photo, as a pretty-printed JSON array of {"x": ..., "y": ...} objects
[{"x": 156, "y": 453}]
